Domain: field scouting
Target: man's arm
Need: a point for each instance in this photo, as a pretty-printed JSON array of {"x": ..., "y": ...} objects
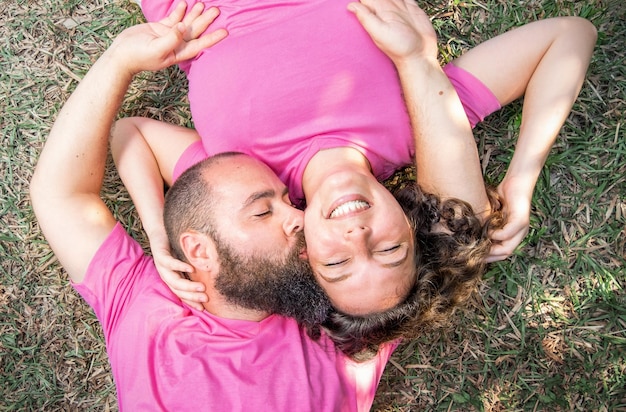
[
  {"x": 65, "y": 189},
  {"x": 446, "y": 155}
]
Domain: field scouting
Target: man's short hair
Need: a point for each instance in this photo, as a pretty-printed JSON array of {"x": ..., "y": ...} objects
[{"x": 190, "y": 202}]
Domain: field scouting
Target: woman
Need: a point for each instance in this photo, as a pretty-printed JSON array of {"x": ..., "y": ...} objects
[{"x": 301, "y": 86}]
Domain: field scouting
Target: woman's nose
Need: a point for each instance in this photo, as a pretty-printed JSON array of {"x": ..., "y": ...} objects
[{"x": 358, "y": 232}]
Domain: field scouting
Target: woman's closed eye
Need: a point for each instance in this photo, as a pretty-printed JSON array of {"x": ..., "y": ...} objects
[
  {"x": 390, "y": 249},
  {"x": 336, "y": 263},
  {"x": 385, "y": 251}
]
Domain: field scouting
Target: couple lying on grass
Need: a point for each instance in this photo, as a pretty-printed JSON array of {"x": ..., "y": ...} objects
[{"x": 307, "y": 104}]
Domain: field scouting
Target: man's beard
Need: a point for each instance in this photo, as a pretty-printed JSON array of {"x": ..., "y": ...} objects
[{"x": 284, "y": 287}]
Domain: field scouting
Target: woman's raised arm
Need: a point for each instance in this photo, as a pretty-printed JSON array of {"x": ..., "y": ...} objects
[{"x": 145, "y": 152}]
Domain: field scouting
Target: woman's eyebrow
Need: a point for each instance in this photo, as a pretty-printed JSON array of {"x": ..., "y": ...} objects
[
  {"x": 335, "y": 279},
  {"x": 399, "y": 262}
]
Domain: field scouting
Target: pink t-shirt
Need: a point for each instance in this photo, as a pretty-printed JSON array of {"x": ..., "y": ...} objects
[
  {"x": 166, "y": 356},
  {"x": 297, "y": 76},
  {"x": 477, "y": 100}
]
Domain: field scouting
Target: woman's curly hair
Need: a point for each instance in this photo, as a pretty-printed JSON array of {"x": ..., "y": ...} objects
[{"x": 449, "y": 262}]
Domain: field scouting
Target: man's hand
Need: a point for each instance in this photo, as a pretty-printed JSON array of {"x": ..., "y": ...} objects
[
  {"x": 516, "y": 198},
  {"x": 398, "y": 27},
  {"x": 178, "y": 37}
]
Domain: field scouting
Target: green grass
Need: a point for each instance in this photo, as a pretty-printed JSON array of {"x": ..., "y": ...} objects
[{"x": 547, "y": 330}]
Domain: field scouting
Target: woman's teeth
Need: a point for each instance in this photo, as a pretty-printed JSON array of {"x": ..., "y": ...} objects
[{"x": 349, "y": 207}]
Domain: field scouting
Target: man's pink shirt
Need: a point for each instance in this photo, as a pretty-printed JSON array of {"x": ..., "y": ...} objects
[{"x": 166, "y": 356}]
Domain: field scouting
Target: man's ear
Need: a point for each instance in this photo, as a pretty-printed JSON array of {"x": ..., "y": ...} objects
[{"x": 200, "y": 251}]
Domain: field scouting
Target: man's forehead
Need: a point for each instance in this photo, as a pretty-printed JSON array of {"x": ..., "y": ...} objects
[
  {"x": 244, "y": 176},
  {"x": 243, "y": 164}
]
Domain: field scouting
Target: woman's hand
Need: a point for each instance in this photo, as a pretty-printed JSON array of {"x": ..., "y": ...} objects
[
  {"x": 170, "y": 269},
  {"x": 516, "y": 198},
  {"x": 398, "y": 27}
]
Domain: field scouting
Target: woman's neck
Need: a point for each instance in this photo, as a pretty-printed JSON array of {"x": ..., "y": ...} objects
[{"x": 328, "y": 161}]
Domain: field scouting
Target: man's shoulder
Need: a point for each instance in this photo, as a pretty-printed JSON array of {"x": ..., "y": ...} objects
[
  {"x": 118, "y": 273},
  {"x": 120, "y": 254}
]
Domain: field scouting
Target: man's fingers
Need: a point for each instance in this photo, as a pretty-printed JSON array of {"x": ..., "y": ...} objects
[
  {"x": 372, "y": 5},
  {"x": 192, "y": 48},
  {"x": 193, "y": 14},
  {"x": 176, "y": 16},
  {"x": 200, "y": 22},
  {"x": 169, "y": 41},
  {"x": 192, "y": 293}
]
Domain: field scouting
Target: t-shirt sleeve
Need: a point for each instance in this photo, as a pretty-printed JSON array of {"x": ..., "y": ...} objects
[
  {"x": 476, "y": 98},
  {"x": 195, "y": 153},
  {"x": 114, "y": 277},
  {"x": 365, "y": 376}
]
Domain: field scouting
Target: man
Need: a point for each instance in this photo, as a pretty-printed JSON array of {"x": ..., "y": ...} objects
[{"x": 234, "y": 355}]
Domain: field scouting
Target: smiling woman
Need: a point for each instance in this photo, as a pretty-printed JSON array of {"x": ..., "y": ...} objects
[
  {"x": 447, "y": 263},
  {"x": 359, "y": 240}
]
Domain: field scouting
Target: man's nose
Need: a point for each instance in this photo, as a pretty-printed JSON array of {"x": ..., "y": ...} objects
[{"x": 294, "y": 221}]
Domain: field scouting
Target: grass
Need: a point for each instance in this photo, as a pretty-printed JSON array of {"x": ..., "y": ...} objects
[{"x": 547, "y": 330}]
